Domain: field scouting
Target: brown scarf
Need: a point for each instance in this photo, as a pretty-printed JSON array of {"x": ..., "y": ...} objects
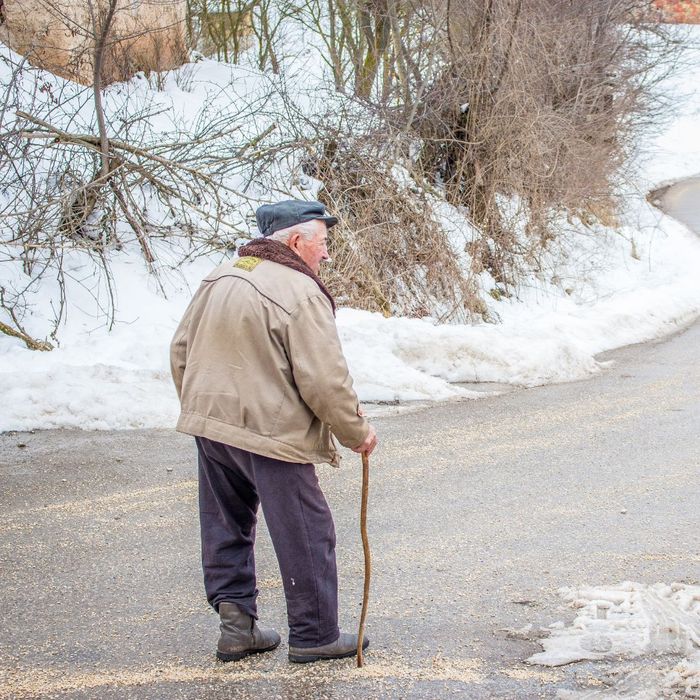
[{"x": 280, "y": 253}]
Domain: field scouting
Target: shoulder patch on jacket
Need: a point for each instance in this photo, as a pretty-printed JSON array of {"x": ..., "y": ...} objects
[{"x": 248, "y": 263}]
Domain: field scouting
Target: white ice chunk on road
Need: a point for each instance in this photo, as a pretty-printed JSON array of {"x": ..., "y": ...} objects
[
  {"x": 629, "y": 620},
  {"x": 684, "y": 679}
]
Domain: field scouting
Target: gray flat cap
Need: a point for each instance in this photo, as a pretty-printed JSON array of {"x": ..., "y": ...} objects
[{"x": 275, "y": 217}]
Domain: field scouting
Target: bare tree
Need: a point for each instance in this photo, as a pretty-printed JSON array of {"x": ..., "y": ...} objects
[
  {"x": 101, "y": 19},
  {"x": 220, "y": 28},
  {"x": 383, "y": 49}
]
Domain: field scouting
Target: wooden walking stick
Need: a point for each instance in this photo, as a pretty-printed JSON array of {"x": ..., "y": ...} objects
[{"x": 365, "y": 547}]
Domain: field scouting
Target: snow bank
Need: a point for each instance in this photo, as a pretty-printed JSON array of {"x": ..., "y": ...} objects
[{"x": 120, "y": 379}]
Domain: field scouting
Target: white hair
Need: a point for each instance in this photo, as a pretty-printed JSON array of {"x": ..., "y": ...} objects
[{"x": 305, "y": 228}]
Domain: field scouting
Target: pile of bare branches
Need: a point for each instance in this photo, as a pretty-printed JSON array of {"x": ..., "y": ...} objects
[{"x": 68, "y": 184}]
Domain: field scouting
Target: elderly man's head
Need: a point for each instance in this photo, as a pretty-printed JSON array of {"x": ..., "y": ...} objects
[
  {"x": 308, "y": 240},
  {"x": 301, "y": 225}
]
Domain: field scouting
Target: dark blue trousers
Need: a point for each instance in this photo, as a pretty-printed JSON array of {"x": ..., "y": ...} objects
[{"x": 232, "y": 483}]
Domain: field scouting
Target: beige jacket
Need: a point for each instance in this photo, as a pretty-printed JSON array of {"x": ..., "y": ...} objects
[{"x": 257, "y": 364}]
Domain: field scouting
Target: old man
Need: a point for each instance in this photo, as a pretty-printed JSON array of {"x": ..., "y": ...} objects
[{"x": 263, "y": 386}]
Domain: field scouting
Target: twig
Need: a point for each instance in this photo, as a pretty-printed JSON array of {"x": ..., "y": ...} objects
[
  {"x": 30, "y": 342},
  {"x": 135, "y": 150},
  {"x": 101, "y": 35},
  {"x": 140, "y": 234}
]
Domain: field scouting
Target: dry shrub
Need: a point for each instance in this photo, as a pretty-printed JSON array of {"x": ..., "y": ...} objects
[
  {"x": 389, "y": 252},
  {"x": 535, "y": 105}
]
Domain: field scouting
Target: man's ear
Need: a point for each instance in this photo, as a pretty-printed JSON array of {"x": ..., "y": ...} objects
[{"x": 293, "y": 242}]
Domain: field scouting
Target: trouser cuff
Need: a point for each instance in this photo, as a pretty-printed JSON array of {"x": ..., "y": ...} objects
[{"x": 319, "y": 642}]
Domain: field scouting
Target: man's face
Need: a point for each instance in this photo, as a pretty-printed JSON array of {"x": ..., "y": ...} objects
[{"x": 312, "y": 250}]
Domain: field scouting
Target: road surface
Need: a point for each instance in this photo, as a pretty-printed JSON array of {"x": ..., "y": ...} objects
[{"x": 681, "y": 200}]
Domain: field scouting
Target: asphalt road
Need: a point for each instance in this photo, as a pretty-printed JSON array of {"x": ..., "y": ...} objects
[
  {"x": 681, "y": 200},
  {"x": 479, "y": 512}
]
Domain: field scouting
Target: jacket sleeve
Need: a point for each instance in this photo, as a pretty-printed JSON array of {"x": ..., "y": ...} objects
[
  {"x": 178, "y": 351},
  {"x": 321, "y": 373}
]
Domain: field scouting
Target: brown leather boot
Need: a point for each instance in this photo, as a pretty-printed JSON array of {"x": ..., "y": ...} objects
[{"x": 240, "y": 636}]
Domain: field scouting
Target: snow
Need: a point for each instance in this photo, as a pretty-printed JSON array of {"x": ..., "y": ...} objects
[
  {"x": 603, "y": 289},
  {"x": 674, "y": 153},
  {"x": 631, "y": 620}
]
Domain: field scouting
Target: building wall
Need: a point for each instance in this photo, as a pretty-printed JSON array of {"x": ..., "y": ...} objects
[
  {"x": 58, "y": 35},
  {"x": 680, "y": 11}
]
